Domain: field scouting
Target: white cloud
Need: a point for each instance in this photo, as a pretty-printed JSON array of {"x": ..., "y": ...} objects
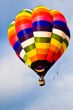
[
  {"x": 15, "y": 77},
  {"x": 57, "y": 97}
]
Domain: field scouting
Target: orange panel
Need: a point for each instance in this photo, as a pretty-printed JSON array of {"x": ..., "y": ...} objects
[
  {"x": 61, "y": 50},
  {"x": 54, "y": 48},
  {"x": 41, "y": 56},
  {"x": 33, "y": 58},
  {"x": 41, "y": 51}
]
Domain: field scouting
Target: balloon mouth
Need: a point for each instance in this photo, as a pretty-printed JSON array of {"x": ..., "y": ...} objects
[{"x": 40, "y": 68}]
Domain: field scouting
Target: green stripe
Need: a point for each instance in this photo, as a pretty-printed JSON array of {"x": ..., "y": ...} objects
[
  {"x": 28, "y": 11},
  {"x": 25, "y": 58},
  {"x": 30, "y": 47},
  {"x": 57, "y": 37},
  {"x": 11, "y": 25},
  {"x": 66, "y": 42},
  {"x": 42, "y": 39},
  {"x": 25, "y": 11}
]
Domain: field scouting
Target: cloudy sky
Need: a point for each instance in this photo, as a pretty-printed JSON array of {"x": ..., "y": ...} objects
[{"x": 19, "y": 88}]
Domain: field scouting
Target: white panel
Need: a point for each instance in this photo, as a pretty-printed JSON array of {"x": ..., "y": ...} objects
[
  {"x": 22, "y": 53},
  {"x": 60, "y": 33},
  {"x": 42, "y": 34},
  {"x": 27, "y": 42}
]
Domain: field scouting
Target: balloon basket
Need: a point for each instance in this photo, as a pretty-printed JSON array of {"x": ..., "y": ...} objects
[{"x": 41, "y": 81}]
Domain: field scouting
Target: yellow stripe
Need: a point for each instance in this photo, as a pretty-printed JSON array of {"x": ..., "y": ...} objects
[
  {"x": 28, "y": 62},
  {"x": 39, "y": 8},
  {"x": 56, "y": 43},
  {"x": 64, "y": 46},
  {"x": 23, "y": 14},
  {"x": 54, "y": 12},
  {"x": 31, "y": 53},
  {"x": 42, "y": 45},
  {"x": 11, "y": 29}
]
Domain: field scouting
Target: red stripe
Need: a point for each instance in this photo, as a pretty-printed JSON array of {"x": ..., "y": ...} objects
[
  {"x": 57, "y": 56},
  {"x": 12, "y": 35},
  {"x": 59, "y": 17},
  {"x": 43, "y": 17},
  {"x": 22, "y": 18},
  {"x": 13, "y": 41},
  {"x": 23, "y": 21},
  {"x": 22, "y": 27},
  {"x": 50, "y": 55},
  {"x": 41, "y": 13}
]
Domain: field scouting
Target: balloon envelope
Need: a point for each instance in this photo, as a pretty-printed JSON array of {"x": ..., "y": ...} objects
[{"x": 39, "y": 37}]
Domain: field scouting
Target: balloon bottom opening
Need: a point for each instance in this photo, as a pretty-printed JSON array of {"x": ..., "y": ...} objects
[
  {"x": 40, "y": 68},
  {"x": 41, "y": 81}
]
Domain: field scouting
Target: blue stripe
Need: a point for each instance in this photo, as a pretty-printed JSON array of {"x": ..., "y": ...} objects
[
  {"x": 60, "y": 23},
  {"x": 62, "y": 26},
  {"x": 68, "y": 32},
  {"x": 24, "y": 32},
  {"x": 42, "y": 23},
  {"x": 17, "y": 47}
]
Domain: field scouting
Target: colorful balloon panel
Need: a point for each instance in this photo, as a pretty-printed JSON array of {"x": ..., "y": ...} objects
[
  {"x": 39, "y": 37},
  {"x": 13, "y": 38},
  {"x": 23, "y": 23},
  {"x": 42, "y": 24},
  {"x": 58, "y": 39},
  {"x": 15, "y": 43}
]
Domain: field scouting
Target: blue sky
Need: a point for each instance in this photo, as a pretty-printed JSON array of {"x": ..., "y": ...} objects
[{"x": 19, "y": 88}]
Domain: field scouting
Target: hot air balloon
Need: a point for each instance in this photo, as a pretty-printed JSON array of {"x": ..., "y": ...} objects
[{"x": 39, "y": 38}]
